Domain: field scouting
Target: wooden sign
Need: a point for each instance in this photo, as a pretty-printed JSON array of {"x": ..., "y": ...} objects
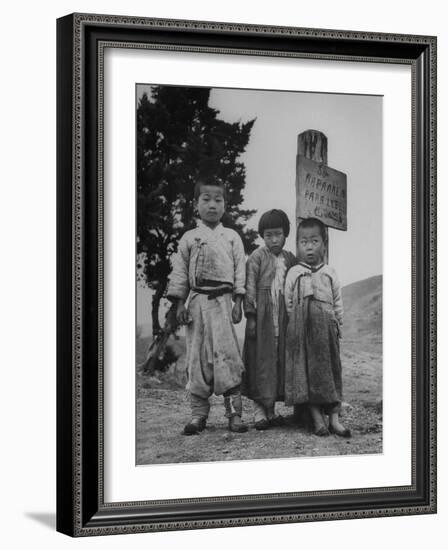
[{"x": 321, "y": 192}]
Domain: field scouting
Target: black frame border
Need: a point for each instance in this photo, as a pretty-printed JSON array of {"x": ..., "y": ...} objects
[{"x": 81, "y": 39}]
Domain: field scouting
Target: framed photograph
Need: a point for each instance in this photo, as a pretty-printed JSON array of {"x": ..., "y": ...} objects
[{"x": 246, "y": 274}]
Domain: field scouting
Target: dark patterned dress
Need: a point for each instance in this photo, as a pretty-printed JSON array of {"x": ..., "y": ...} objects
[{"x": 264, "y": 355}]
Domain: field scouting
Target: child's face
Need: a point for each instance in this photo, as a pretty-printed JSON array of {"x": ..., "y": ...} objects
[
  {"x": 274, "y": 239},
  {"x": 210, "y": 205},
  {"x": 311, "y": 245}
]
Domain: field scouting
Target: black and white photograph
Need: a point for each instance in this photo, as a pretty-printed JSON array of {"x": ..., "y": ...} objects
[
  {"x": 222, "y": 237},
  {"x": 259, "y": 293}
]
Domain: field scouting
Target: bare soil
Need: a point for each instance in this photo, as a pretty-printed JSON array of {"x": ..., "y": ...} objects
[{"x": 163, "y": 410}]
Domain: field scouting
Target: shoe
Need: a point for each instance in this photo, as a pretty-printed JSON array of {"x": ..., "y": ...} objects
[
  {"x": 322, "y": 431},
  {"x": 236, "y": 425},
  {"x": 262, "y": 424},
  {"x": 195, "y": 427},
  {"x": 341, "y": 433},
  {"x": 276, "y": 420}
]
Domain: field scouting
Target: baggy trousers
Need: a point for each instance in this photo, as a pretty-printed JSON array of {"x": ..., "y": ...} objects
[{"x": 214, "y": 363}]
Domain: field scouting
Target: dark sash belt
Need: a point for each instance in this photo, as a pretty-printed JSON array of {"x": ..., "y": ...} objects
[{"x": 214, "y": 293}]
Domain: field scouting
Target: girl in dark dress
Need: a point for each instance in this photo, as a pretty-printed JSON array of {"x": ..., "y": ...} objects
[{"x": 264, "y": 307}]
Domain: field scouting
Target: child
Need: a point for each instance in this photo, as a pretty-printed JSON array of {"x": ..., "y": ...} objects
[
  {"x": 209, "y": 267},
  {"x": 264, "y": 307},
  {"x": 313, "y": 300}
]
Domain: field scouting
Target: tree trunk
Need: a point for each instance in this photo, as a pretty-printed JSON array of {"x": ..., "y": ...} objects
[{"x": 158, "y": 295}]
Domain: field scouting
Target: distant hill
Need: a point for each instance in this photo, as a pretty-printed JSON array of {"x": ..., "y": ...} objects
[{"x": 363, "y": 310}]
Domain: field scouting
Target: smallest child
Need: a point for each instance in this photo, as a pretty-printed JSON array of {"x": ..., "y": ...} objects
[
  {"x": 264, "y": 307},
  {"x": 314, "y": 302}
]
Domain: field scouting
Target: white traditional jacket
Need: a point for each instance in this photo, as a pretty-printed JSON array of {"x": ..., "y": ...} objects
[
  {"x": 320, "y": 281},
  {"x": 208, "y": 258}
]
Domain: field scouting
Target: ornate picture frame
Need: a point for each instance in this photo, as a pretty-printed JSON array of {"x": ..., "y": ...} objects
[{"x": 81, "y": 506}]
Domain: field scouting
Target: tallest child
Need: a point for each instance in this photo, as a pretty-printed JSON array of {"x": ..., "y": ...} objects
[{"x": 208, "y": 270}]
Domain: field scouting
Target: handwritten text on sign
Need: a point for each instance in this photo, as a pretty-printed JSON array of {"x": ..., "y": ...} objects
[{"x": 321, "y": 193}]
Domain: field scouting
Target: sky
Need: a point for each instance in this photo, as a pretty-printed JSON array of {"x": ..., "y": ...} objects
[{"x": 353, "y": 126}]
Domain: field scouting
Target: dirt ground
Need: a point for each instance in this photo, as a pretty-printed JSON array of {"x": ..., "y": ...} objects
[{"x": 163, "y": 410}]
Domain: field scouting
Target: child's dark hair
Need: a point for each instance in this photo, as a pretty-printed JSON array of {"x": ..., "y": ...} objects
[
  {"x": 313, "y": 222},
  {"x": 208, "y": 181},
  {"x": 273, "y": 219}
]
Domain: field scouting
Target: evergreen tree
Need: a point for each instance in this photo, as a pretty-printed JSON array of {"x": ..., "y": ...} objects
[{"x": 180, "y": 139}]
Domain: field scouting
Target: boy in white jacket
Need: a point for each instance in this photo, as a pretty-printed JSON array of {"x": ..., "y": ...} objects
[{"x": 208, "y": 270}]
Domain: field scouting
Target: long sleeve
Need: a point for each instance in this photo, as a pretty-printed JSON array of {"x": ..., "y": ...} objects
[
  {"x": 337, "y": 299},
  {"x": 291, "y": 278},
  {"x": 252, "y": 274},
  {"x": 178, "y": 286},
  {"x": 239, "y": 260}
]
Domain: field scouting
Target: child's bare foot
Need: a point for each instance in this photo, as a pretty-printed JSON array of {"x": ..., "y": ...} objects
[
  {"x": 320, "y": 428},
  {"x": 337, "y": 428}
]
